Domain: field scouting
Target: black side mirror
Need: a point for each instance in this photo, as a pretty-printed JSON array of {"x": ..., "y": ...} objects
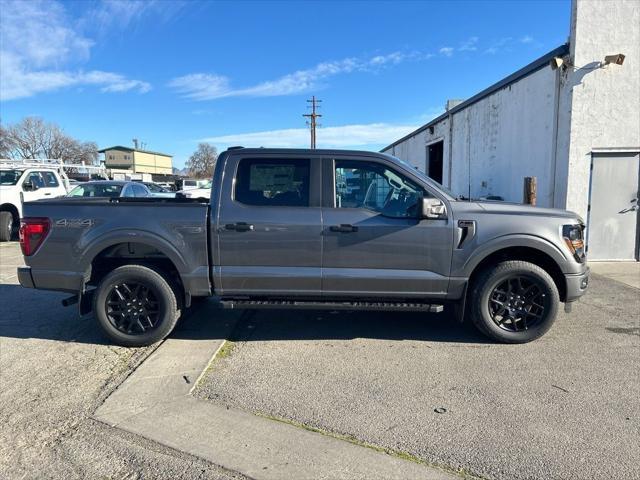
[
  {"x": 433, "y": 209},
  {"x": 32, "y": 186}
]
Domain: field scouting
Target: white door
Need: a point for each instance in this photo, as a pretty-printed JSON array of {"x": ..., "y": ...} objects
[{"x": 613, "y": 207}]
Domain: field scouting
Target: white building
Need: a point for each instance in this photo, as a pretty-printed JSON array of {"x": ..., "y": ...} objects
[{"x": 575, "y": 128}]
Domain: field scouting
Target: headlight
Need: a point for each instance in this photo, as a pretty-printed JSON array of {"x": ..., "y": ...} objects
[{"x": 574, "y": 238}]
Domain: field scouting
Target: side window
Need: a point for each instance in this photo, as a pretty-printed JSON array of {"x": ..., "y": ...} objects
[
  {"x": 273, "y": 182},
  {"x": 35, "y": 177},
  {"x": 128, "y": 191},
  {"x": 50, "y": 180},
  {"x": 139, "y": 191},
  {"x": 375, "y": 187}
]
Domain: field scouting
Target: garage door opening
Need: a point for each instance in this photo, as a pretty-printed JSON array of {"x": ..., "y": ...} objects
[{"x": 434, "y": 160}]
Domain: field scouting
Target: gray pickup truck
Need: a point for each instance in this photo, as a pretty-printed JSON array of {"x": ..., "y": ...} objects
[{"x": 315, "y": 229}]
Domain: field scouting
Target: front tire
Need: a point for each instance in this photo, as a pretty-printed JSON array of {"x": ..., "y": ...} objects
[
  {"x": 514, "y": 302},
  {"x": 135, "y": 306}
]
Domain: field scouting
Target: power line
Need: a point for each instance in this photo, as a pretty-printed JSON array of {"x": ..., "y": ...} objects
[{"x": 312, "y": 119}]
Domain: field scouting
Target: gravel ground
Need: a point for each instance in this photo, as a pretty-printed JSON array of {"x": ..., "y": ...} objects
[
  {"x": 54, "y": 372},
  {"x": 565, "y": 406}
]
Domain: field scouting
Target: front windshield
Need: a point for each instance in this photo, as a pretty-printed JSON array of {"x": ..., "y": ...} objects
[
  {"x": 10, "y": 177},
  {"x": 96, "y": 190},
  {"x": 205, "y": 185}
]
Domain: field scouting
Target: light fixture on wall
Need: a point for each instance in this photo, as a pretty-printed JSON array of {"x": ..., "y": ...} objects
[
  {"x": 617, "y": 59},
  {"x": 556, "y": 62}
]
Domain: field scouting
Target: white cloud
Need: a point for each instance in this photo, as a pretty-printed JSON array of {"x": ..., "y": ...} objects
[
  {"x": 203, "y": 86},
  {"x": 526, "y": 39},
  {"x": 446, "y": 51},
  {"x": 372, "y": 134},
  {"x": 469, "y": 45},
  {"x": 108, "y": 14},
  {"x": 37, "y": 39},
  {"x": 499, "y": 45}
]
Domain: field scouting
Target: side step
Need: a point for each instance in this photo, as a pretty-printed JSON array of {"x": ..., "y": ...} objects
[{"x": 310, "y": 305}]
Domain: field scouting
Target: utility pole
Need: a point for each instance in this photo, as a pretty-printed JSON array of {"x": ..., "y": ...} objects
[{"x": 312, "y": 119}]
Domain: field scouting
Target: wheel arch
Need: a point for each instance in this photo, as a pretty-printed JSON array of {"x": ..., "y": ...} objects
[
  {"x": 529, "y": 254},
  {"x": 10, "y": 207},
  {"x": 107, "y": 255}
]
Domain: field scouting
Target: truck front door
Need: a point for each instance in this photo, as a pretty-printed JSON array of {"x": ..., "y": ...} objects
[
  {"x": 374, "y": 243},
  {"x": 269, "y": 227}
]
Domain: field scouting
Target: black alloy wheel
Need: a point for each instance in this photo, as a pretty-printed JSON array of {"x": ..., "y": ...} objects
[
  {"x": 132, "y": 308},
  {"x": 518, "y": 303}
]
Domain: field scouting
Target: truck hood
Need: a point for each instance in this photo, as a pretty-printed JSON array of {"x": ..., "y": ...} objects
[{"x": 507, "y": 208}]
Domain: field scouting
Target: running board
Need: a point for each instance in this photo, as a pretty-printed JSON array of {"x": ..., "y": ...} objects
[{"x": 304, "y": 305}]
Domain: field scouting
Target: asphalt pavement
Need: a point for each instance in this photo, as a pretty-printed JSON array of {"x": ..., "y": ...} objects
[
  {"x": 422, "y": 386},
  {"x": 55, "y": 370},
  {"x": 564, "y": 407}
]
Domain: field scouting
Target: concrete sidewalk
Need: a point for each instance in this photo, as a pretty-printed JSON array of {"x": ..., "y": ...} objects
[{"x": 155, "y": 402}]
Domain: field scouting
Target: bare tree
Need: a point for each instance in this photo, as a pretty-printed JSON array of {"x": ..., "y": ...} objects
[
  {"x": 203, "y": 161},
  {"x": 32, "y": 138}
]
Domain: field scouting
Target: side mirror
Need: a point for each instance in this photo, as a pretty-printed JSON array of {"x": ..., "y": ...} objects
[
  {"x": 433, "y": 209},
  {"x": 32, "y": 186}
]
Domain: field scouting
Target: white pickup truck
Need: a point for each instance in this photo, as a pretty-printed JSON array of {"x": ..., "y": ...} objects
[{"x": 19, "y": 184}]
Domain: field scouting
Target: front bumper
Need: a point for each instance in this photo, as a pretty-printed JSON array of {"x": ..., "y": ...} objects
[{"x": 577, "y": 285}]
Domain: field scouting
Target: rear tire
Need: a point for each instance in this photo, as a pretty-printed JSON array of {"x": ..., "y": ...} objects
[
  {"x": 135, "y": 306},
  {"x": 6, "y": 226},
  {"x": 514, "y": 302}
]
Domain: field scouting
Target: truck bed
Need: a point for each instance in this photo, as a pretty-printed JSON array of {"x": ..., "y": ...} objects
[{"x": 83, "y": 229}]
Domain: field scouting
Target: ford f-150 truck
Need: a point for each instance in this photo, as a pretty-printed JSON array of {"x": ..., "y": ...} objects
[{"x": 318, "y": 229}]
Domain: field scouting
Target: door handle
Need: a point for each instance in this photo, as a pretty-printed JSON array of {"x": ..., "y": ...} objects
[
  {"x": 239, "y": 227},
  {"x": 343, "y": 228},
  {"x": 47, "y": 194}
]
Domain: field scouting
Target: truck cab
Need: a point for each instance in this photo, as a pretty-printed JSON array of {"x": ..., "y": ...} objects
[{"x": 19, "y": 184}]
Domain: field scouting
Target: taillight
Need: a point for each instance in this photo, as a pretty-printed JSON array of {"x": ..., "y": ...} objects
[{"x": 33, "y": 231}]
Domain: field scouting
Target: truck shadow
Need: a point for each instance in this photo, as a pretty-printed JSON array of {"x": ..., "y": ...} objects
[
  {"x": 28, "y": 313},
  {"x": 278, "y": 325}
]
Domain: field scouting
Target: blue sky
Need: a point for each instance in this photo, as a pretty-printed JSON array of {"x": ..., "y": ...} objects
[{"x": 176, "y": 73}]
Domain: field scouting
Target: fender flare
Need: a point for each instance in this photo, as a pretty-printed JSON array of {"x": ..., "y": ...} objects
[
  {"x": 97, "y": 245},
  {"x": 509, "y": 241}
]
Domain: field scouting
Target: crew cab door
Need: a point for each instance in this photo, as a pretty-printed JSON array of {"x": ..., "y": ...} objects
[
  {"x": 269, "y": 227},
  {"x": 374, "y": 243}
]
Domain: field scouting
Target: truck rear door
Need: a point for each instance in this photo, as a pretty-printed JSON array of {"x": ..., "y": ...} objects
[{"x": 269, "y": 226}]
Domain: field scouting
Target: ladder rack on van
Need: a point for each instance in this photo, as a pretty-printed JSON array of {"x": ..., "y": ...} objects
[{"x": 49, "y": 163}]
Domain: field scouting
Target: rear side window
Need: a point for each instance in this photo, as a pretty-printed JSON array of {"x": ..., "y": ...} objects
[
  {"x": 273, "y": 182},
  {"x": 139, "y": 191},
  {"x": 36, "y": 178},
  {"x": 50, "y": 179}
]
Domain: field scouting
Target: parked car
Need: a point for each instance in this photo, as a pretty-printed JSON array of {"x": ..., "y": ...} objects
[
  {"x": 115, "y": 188},
  {"x": 281, "y": 232},
  {"x": 204, "y": 191},
  {"x": 189, "y": 184},
  {"x": 158, "y": 190},
  {"x": 18, "y": 185}
]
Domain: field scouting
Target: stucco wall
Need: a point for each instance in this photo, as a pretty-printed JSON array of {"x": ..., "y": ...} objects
[
  {"x": 604, "y": 102},
  {"x": 152, "y": 163},
  {"x": 118, "y": 158}
]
